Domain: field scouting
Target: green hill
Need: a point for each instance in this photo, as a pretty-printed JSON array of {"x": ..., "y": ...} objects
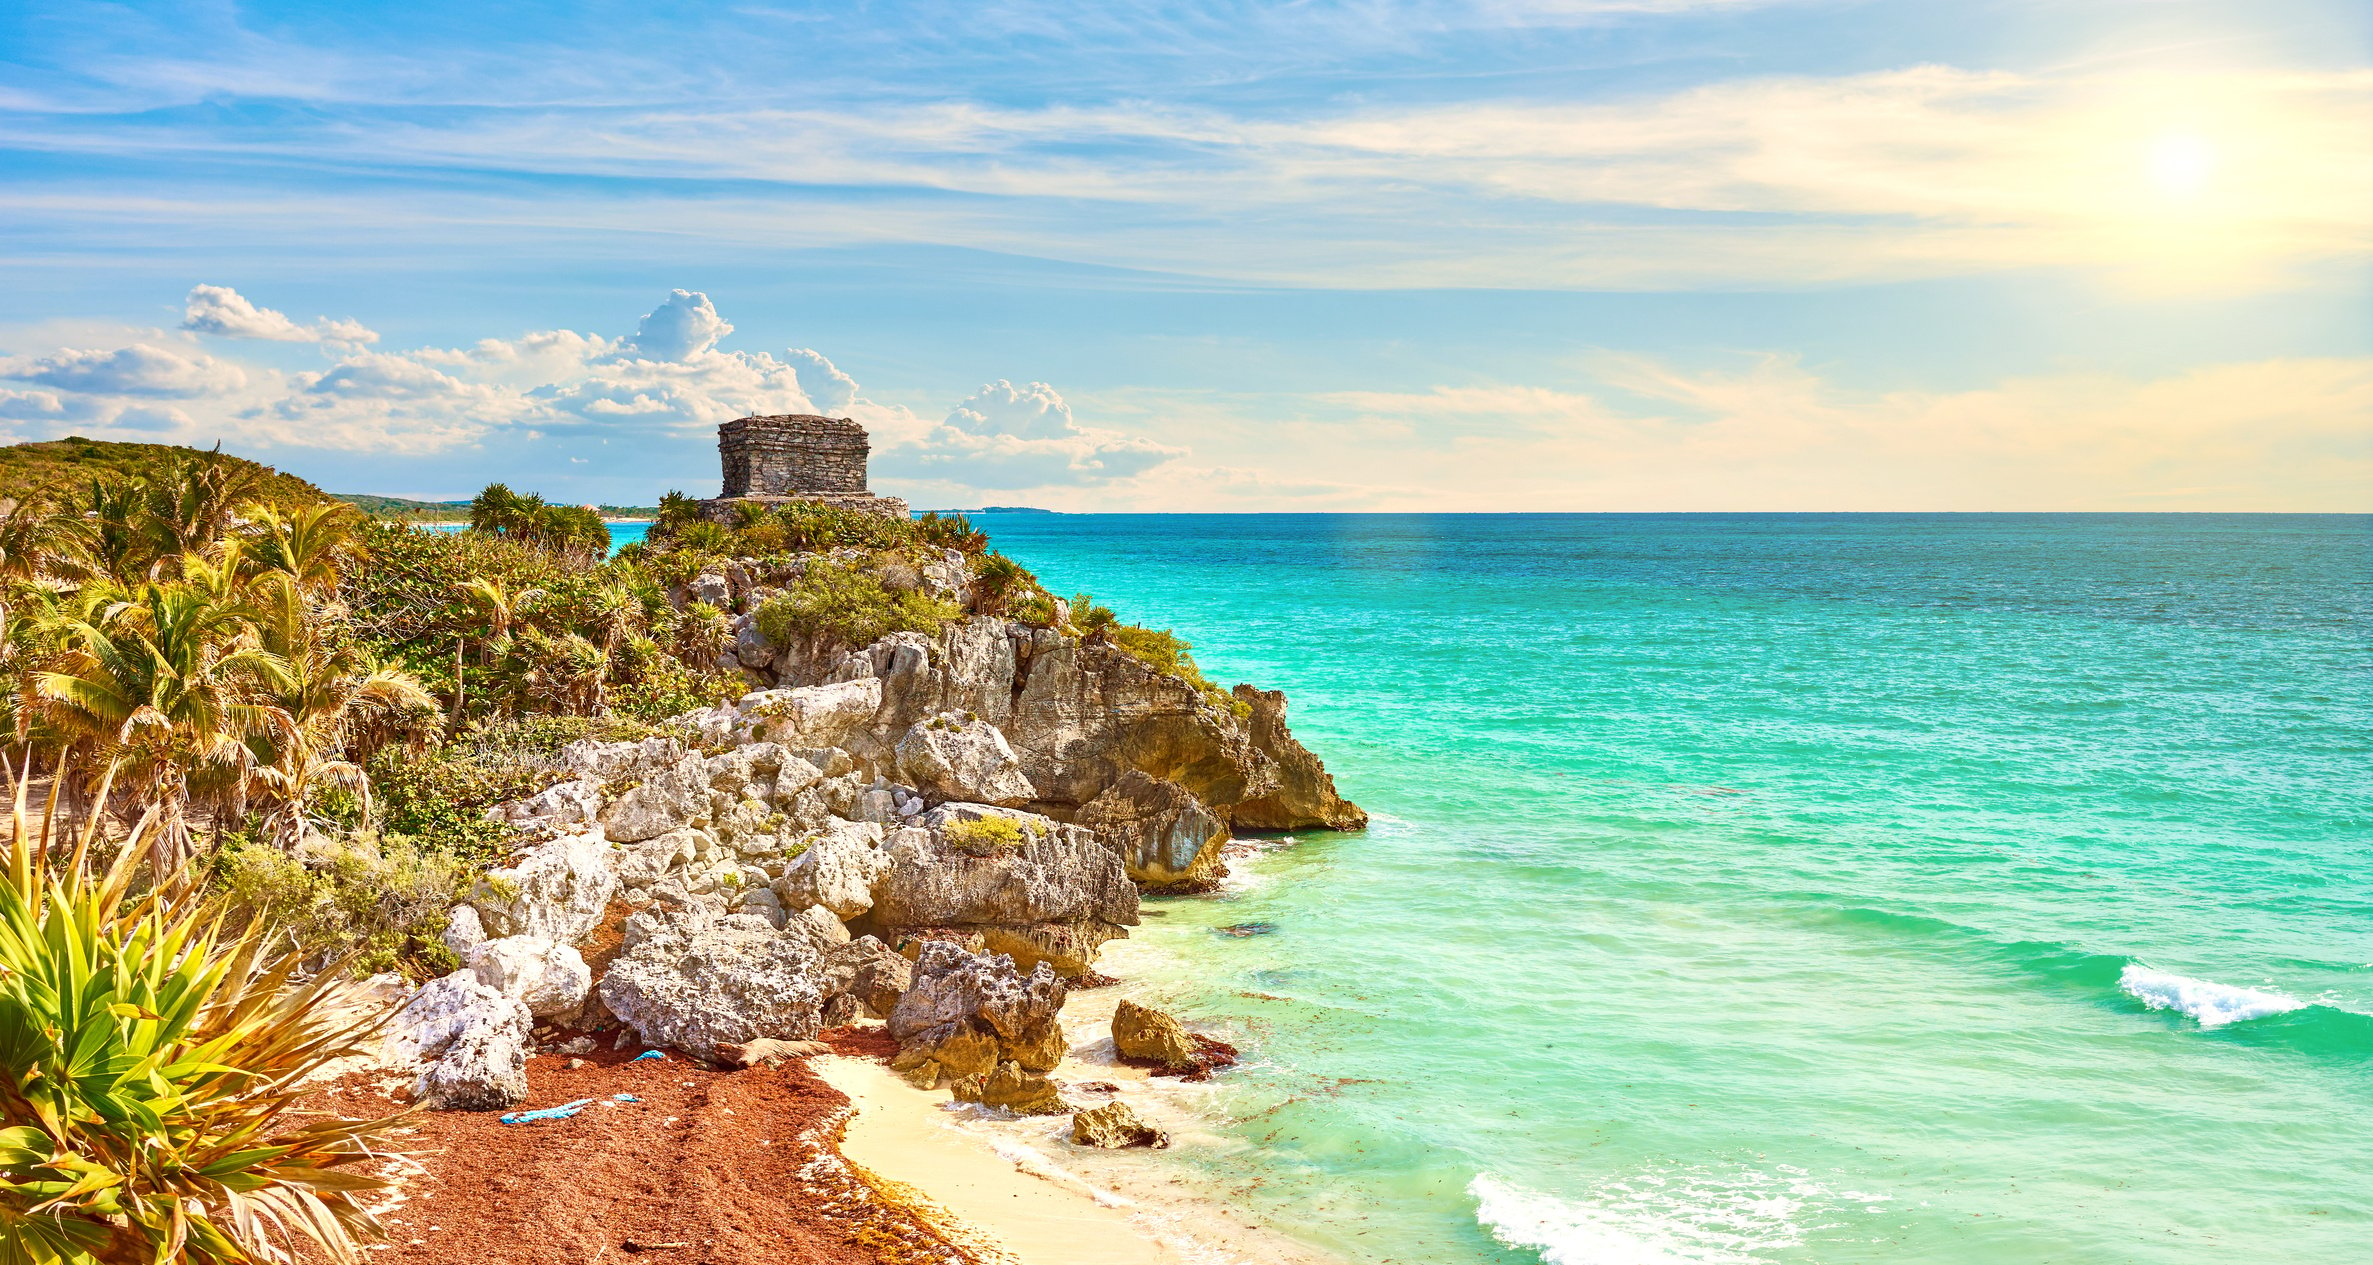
[
  {"x": 399, "y": 507},
  {"x": 75, "y": 460}
]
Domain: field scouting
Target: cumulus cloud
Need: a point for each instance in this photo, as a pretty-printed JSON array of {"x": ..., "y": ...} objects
[
  {"x": 685, "y": 326},
  {"x": 826, "y": 387},
  {"x": 140, "y": 369},
  {"x": 226, "y": 313},
  {"x": 1006, "y": 437}
]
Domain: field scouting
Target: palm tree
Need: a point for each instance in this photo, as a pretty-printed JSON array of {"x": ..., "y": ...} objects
[
  {"x": 310, "y": 545},
  {"x": 342, "y": 707},
  {"x": 195, "y": 501},
  {"x": 166, "y": 683},
  {"x": 107, "y": 529}
]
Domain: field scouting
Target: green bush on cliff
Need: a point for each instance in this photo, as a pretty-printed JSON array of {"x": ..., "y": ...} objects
[
  {"x": 387, "y": 907},
  {"x": 987, "y": 836},
  {"x": 848, "y": 603}
]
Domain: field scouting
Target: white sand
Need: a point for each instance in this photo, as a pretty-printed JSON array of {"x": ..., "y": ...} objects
[{"x": 1023, "y": 1211}]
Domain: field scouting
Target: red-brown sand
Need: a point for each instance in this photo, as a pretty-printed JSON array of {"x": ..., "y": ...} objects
[{"x": 709, "y": 1168}]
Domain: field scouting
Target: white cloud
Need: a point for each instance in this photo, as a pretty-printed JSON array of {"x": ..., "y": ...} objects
[
  {"x": 225, "y": 313},
  {"x": 1006, "y": 437},
  {"x": 140, "y": 369},
  {"x": 830, "y": 390},
  {"x": 685, "y": 326}
]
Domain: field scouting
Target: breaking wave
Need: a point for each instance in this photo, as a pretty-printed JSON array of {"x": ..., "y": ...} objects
[
  {"x": 1686, "y": 1218},
  {"x": 2213, "y": 1004}
]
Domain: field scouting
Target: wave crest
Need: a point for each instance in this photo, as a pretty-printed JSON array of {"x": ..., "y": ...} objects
[
  {"x": 1657, "y": 1220},
  {"x": 2213, "y": 1004}
]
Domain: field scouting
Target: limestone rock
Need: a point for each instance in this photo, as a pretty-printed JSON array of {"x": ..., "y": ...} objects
[
  {"x": 960, "y": 1049},
  {"x": 551, "y": 980},
  {"x": 670, "y": 798},
  {"x": 643, "y": 863},
  {"x": 838, "y": 870},
  {"x": 866, "y": 970},
  {"x": 1059, "y": 875},
  {"x": 1146, "y": 1034},
  {"x": 952, "y": 756},
  {"x": 813, "y": 716},
  {"x": 463, "y": 931},
  {"x": 559, "y": 806},
  {"x": 558, "y": 891},
  {"x": 728, "y": 981},
  {"x": 1161, "y": 832},
  {"x": 1303, "y": 795},
  {"x": 712, "y": 588},
  {"x": 1113, "y": 1126},
  {"x": 474, "y": 1041},
  {"x": 1022, "y": 1092},
  {"x": 950, "y": 984}
]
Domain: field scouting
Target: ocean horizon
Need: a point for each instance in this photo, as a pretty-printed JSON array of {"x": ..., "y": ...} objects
[{"x": 1936, "y": 888}]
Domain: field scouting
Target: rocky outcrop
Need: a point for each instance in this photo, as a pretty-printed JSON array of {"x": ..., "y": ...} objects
[
  {"x": 1147, "y": 1035},
  {"x": 1053, "y": 899},
  {"x": 690, "y": 982},
  {"x": 1303, "y": 794},
  {"x": 1163, "y": 835},
  {"x": 469, "y": 1041},
  {"x": 1113, "y": 1126},
  {"x": 551, "y": 980},
  {"x": 983, "y": 1027},
  {"x": 956, "y": 756},
  {"x": 558, "y": 891}
]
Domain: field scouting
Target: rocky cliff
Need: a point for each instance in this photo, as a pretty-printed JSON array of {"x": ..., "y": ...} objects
[{"x": 990, "y": 799}]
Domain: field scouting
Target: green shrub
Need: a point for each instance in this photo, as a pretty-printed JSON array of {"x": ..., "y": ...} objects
[
  {"x": 154, "y": 1060},
  {"x": 388, "y": 908},
  {"x": 952, "y": 531},
  {"x": 848, "y": 603},
  {"x": 987, "y": 836}
]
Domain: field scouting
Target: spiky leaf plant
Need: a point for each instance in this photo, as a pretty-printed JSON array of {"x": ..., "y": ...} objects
[{"x": 149, "y": 1069}]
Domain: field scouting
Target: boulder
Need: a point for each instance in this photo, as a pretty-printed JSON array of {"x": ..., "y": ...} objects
[
  {"x": 1147, "y": 1035},
  {"x": 669, "y": 798},
  {"x": 837, "y": 870},
  {"x": 955, "y": 756},
  {"x": 463, "y": 930},
  {"x": 1161, "y": 832},
  {"x": 559, "y": 806},
  {"x": 1113, "y": 1126},
  {"x": 957, "y": 1049},
  {"x": 1302, "y": 794},
  {"x": 815, "y": 715},
  {"x": 711, "y": 588},
  {"x": 950, "y": 984},
  {"x": 734, "y": 980},
  {"x": 868, "y": 971},
  {"x": 646, "y": 862},
  {"x": 559, "y": 891},
  {"x": 1060, "y": 874},
  {"x": 551, "y": 980},
  {"x": 1015, "y": 1089},
  {"x": 473, "y": 1040}
]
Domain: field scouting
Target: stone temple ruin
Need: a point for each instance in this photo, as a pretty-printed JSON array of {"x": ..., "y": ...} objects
[{"x": 774, "y": 460}]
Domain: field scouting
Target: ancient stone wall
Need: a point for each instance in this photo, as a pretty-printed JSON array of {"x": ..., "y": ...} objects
[{"x": 792, "y": 455}]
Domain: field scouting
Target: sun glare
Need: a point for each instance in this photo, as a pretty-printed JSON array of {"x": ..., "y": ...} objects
[{"x": 2181, "y": 164}]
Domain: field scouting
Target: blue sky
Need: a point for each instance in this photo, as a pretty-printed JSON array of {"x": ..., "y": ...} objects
[{"x": 1504, "y": 254}]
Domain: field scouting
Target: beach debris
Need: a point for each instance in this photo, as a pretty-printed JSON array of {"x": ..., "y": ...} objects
[
  {"x": 1246, "y": 930},
  {"x": 647, "y": 1054},
  {"x": 767, "y": 1051},
  {"x": 561, "y": 1112},
  {"x": 1113, "y": 1126},
  {"x": 625, "y": 1098}
]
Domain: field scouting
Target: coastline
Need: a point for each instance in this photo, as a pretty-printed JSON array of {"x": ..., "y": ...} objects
[{"x": 1016, "y": 1191}]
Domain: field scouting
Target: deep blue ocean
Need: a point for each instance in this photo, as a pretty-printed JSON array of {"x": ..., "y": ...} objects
[{"x": 1969, "y": 889}]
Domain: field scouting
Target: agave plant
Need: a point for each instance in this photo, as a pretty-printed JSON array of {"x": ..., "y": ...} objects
[{"x": 149, "y": 1073}]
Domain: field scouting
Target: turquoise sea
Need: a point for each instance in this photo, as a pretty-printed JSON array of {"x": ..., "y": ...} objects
[{"x": 1949, "y": 890}]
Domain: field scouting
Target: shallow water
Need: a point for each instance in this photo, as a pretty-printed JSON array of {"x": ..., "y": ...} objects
[{"x": 1947, "y": 889}]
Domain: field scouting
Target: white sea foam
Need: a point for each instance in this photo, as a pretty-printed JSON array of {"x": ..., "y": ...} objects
[
  {"x": 1688, "y": 1218},
  {"x": 2213, "y": 1004}
]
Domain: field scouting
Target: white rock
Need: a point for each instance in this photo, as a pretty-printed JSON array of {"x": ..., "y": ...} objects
[
  {"x": 735, "y": 980},
  {"x": 837, "y": 871},
  {"x": 559, "y": 891},
  {"x": 954, "y": 758},
  {"x": 463, "y": 931},
  {"x": 815, "y": 715},
  {"x": 474, "y": 1040},
  {"x": 647, "y": 861},
  {"x": 670, "y": 798},
  {"x": 556, "y": 807},
  {"x": 551, "y": 980}
]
